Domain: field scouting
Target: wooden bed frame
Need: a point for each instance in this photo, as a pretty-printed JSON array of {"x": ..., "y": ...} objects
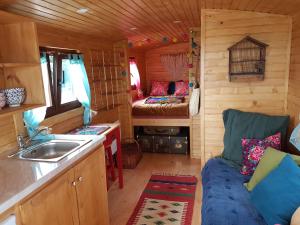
[{"x": 177, "y": 122}]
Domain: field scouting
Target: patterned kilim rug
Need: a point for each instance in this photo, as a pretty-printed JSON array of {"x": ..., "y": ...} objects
[{"x": 166, "y": 200}]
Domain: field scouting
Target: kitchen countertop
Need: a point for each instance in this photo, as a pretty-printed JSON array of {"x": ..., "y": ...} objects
[{"x": 19, "y": 178}]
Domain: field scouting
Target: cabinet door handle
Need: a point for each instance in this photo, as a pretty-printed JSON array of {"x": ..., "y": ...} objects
[
  {"x": 80, "y": 179},
  {"x": 74, "y": 183}
]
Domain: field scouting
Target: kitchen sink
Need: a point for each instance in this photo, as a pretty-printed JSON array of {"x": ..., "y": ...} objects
[{"x": 50, "y": 151}]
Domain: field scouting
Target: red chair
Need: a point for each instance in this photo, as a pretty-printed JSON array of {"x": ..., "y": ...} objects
[
  {"x": 110, "y": 137},
  {"x": 112, "y": 133},
  {"x": 110, "y": 167}
]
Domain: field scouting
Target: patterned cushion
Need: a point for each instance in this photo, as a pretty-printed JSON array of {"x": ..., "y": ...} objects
[
  {"x": 253, "y": 150},
  {"x": 181, "y": 88},
  {"x": 159, "y": 88}
]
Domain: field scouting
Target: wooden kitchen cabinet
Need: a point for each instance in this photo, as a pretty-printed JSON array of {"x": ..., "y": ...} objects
[
  {"x": 91, "y": 190},
  {"x": 54, "y": 205},
  {"x": 79, "y": 196}
]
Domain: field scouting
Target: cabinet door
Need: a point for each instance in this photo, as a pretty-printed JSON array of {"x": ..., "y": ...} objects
[
  {"x": 91, "y": 189},
  {"x": 54, "y": 205}
]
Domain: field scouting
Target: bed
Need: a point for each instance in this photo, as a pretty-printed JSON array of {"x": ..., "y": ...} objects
[{"x": 162, "y": 106}]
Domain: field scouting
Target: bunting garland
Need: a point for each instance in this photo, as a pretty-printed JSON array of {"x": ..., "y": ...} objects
[{"x": 164, "y": 40}]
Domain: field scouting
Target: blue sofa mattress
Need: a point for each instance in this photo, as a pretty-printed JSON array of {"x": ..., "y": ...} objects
[{"x": 225, "y": 199}]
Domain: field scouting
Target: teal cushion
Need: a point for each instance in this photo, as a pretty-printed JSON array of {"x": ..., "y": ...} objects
[
  {"x": 278, "y": 195},
  {"x": 249, "y": 125}
]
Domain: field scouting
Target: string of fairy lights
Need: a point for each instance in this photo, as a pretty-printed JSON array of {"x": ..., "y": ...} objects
[{"x": 164, "y": 40}]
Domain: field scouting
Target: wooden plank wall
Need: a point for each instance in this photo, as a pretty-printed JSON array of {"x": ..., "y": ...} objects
[
  {"x": 220, "y": 30},
  {"x": 125, "y": 110},
  {"x": 294, "y": 79},
  {"x": 18, "y": 45},
  {"x": 194, "y": 75},
  {"x": 8, "y": 133},
  {"x": 154, "y": 69},
  {"x": 62, "y": 39},
  {"x": 11, "y": 126}
]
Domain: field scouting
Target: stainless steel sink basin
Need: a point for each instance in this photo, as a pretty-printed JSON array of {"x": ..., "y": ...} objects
[{"x": 50, "y": 151}]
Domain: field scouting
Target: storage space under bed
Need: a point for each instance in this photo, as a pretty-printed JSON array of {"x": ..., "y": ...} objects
[{"x": 172, "y": 140}]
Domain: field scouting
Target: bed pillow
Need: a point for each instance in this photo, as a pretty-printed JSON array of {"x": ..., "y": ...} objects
[
  {"x": 159, "y": 88},
  {"x": 277, "y": 196},
  {"x": 181, "y": 88},
  {"x": 240, "y": 125},
  {"x": 253, "y": 150},
  {"x": 269, "y": 161}
]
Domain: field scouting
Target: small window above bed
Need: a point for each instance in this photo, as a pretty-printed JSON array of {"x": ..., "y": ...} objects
[{"x": 135, "y": 79}]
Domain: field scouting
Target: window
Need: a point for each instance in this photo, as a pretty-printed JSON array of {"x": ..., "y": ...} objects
[
  {"x": 58, "y": 87},
  {"x": 134, "y": 74}
]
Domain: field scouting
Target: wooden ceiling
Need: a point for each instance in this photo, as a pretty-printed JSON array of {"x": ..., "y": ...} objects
[{"x": 142, "y": 22}]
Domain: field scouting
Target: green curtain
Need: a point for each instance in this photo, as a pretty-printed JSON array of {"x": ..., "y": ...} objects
[{"x": 80, "y": 84}]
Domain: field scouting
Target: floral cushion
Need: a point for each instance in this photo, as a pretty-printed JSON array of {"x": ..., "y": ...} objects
[
  {"x": 159, "y": 88},
  {"x": 253, "y": 150},
  {"x": 181, "y": 88}
]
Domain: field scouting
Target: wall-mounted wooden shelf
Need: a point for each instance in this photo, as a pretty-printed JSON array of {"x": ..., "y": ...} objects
[
  {"x": 106, "y": 108},
  {"x": 12, "y": 65},
  {"x": 20, "y": 64},
  {"x": 19, "y": 67},
  {"x": 6, "y": 111},
  {"x": 107, "y": 80}
]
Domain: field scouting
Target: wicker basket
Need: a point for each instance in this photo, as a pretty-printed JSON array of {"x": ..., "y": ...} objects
[{"x": 131, "y": 154}]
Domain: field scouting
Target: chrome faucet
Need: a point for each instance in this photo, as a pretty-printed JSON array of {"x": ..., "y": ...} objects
[{"x": 25, "y": 142}]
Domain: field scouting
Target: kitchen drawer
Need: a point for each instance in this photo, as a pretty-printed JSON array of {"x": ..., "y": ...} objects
[{"x": 74, "y": 197}]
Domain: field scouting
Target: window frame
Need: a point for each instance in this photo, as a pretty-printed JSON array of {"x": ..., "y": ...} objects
[{"x": 55, "y": 80}]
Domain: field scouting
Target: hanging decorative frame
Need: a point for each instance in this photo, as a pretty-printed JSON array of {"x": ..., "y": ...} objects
[{"x": 247, "y": 59}]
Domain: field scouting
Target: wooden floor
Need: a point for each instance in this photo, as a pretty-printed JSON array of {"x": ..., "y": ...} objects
[{"x": 122, "y": 202}]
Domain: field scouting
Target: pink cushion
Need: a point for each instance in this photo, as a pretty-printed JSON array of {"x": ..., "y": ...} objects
[
  {"x": 159, "y": 88},
  {"x": 181, "y": 88},
  {"x": 253, "y": 150}
]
